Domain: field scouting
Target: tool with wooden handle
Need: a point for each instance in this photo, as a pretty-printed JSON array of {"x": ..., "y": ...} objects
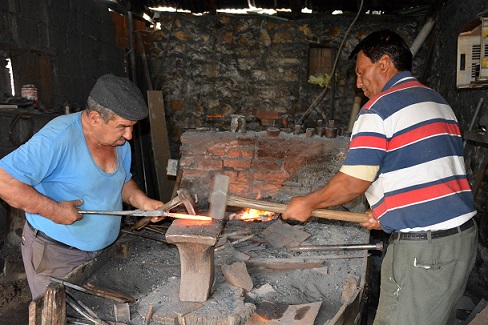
[{"x": 242, "y": 202}]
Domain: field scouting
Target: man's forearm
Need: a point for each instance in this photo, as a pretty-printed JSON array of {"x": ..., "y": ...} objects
[
  {"x": 133, "y": 195},
  {"x": 22, "y": 196},
  {"x": 341, "y": 189}
]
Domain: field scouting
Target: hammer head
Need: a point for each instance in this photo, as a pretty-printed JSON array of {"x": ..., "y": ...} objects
[{"x": 218, "y": 197}]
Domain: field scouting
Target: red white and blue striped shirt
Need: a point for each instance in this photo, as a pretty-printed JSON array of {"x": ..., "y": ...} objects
[{"x": 411, "y": 133}]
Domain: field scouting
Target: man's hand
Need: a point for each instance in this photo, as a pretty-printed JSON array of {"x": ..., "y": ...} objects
[
  {"x": 372, "y": 223},
  {"x": 151, "y": 204},
  {"x": 66, "y": 213},
  {"x": 297, "y": 209}
]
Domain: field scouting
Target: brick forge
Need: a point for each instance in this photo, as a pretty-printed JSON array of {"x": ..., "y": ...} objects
[{"x": 256, "y": 164}]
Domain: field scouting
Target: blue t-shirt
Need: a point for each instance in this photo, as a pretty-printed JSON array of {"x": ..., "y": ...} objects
[{"x": 56, "y": 161}]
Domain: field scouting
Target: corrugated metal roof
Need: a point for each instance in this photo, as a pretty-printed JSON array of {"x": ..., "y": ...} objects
[{"x": 203, "y": 6}]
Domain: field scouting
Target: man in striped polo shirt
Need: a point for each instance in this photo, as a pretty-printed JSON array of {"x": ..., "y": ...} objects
[{"x": 406, "y": 156}]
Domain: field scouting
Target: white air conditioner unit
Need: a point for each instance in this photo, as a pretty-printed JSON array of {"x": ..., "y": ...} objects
[{"x": 472, "y": 56}]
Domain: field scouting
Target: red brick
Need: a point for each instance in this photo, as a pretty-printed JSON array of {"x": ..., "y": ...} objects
[
  {"x": 277, "y": 177},
  {"x": 233, "y": 175},
  {"x": 218, "y": 151},
  {"x": 266, "y": 190},
  {"x": 245, "y": 176},
  {"x": 208, "y": 164},
  {"x": 234, "y": 152},
  {"x": 249, "y": 153},
  {"x": 238, "y": 163},
  {"x": 267, "y": 164},
  {"x": 239, "y": 188}
]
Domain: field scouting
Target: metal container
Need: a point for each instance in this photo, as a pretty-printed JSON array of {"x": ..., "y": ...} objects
[{"x": 29, "y": 92}]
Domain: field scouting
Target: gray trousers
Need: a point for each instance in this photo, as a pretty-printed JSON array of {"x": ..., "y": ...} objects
[
  {"x": 44, "y": 259},
  {"x": 423, "y": 280}
]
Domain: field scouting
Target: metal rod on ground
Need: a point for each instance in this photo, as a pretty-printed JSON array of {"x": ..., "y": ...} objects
[
  {"x": 149, "y": 314},
  {"x": 235, "y": 242},
  {"x": 93, "y": 316},
  {"x": 73, "y": 303},
  {"x": 320, "y": 248},
  {"x": 143, "y": 236}
]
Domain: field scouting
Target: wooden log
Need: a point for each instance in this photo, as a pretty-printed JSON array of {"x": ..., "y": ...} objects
[
  {"x": 54, "y": 307},
  {"x": 35, "y": 310},
  {"x": 242, "y": 202}
]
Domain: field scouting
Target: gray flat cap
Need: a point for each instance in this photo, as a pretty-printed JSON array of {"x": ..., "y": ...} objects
[{"x": 121, "y": 96}]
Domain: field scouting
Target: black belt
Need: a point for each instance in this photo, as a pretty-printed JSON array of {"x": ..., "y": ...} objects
[
  {"x": 42, "y": 235},
  {"x": 433, "y": 234}
]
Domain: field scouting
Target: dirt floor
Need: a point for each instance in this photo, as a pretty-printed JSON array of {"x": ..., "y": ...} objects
[
  {"x": 14, "y": 291},
  {"x": 149, "y": 271}
]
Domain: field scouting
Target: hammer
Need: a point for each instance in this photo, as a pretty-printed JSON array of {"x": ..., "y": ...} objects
[
  {"x": 219, "y": 199},
  {"x": 242, "y": 202}
]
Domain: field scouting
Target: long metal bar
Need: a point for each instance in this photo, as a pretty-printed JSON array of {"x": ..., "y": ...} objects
[
  {"x": 146, "y": 213},
  {"x": 320, "y": 248}
]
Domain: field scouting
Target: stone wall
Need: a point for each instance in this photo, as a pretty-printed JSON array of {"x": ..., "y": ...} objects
[{"x": 242, "y": 64}]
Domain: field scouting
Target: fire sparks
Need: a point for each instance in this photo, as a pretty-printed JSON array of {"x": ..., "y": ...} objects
[{"x": 249, "y": 215}]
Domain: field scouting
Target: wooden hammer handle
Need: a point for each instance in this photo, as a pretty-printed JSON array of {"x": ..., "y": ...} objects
[{"x": 242, "y": 202}]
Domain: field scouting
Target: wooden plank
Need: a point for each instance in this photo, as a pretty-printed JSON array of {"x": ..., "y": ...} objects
[{"x": 160, "y": 143}]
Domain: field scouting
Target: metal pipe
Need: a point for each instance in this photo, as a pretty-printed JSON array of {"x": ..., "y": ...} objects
[
  {"x": 424, "y": 32},
  {"x": 320, "y": 248}
]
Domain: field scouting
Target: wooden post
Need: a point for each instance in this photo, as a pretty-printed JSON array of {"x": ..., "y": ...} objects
[{"x": 160, "y": 143}]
